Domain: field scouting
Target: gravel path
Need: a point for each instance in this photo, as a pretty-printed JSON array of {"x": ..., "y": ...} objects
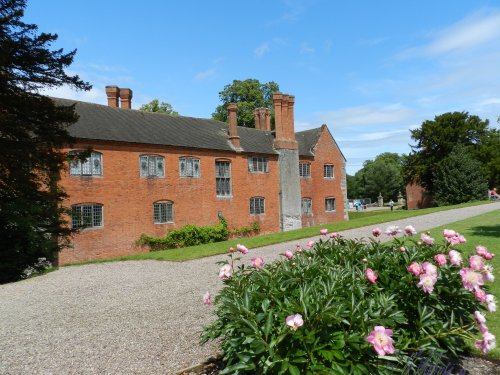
[{"x": 134, "y": 317}]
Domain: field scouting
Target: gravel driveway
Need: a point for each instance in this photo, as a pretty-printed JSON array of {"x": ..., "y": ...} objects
[{"x": 134, "y": 317}]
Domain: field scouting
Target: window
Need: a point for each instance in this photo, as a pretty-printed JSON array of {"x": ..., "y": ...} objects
[
  {"x": 305, "y": 169},
  {"x": 306, "y": 206},
  {"x": 163, "y": 212},
  {"x": 90, "y": 166},
  {"x": 189, "y": 167},
  {"x": 223, "y": 178},
  {"x": 329, "y": 204},
  {"x": 257, "y": 164},
  {"x": 328, "y": 171},
  {"x": 86, "y": 216},
  {"x": 152, "y": 166},
  {"x": 257, "y": 206}
]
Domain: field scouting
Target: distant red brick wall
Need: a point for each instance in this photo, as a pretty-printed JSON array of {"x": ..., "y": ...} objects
[
  {"x": 128, "y": 199},
  {"x": 417, "y": 197},
  {"x": 318, "y": 188}
]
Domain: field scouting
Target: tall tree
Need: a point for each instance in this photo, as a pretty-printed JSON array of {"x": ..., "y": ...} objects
[
  {"x": 155, "y": 106},
  {"x": 33, "y": 129},
  {"x": 248, "y": 95},
  {"x": 436, "y": 139}
]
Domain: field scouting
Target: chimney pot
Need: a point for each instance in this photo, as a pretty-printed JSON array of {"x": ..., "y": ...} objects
[
  {"x": 126, "y": 98},
  {"x": 233, "y": 125},
  {"x": 113, "y": 94}
]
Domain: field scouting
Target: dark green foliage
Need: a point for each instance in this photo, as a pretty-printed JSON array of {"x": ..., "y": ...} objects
[
  {"x": 246, "y": 231},
  {"x": 458, "y": 179},
  {"x": 328, "y": 288},
  {"x": 248, "y": 95},
  {"x": 436, "y": 139},
  {"x": 155, "y": 106},
  {"x": 188, "y": 235},
  {"x": 32, "y": 131}
]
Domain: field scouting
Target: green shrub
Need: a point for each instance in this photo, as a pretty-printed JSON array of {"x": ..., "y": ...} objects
[
  {"x": 188, "y": 235},
  {"x": 247, "y": 231},
  {"x": 329, "y": 286}
]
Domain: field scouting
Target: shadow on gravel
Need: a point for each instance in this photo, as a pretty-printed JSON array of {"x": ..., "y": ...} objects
[{"x": 487, "y": 230}]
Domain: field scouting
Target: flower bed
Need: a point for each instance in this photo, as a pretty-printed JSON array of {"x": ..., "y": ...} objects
[{"x": 353, "y": 307}]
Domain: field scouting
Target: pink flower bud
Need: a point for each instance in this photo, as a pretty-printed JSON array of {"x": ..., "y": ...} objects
[{"x": 289, "y": 254}]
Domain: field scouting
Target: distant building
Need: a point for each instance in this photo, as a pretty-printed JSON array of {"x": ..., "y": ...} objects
[
  {"x": 150, "y": 173},
  {"x": 417, "y": 197}
]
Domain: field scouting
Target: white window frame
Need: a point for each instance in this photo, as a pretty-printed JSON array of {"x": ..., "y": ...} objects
[
  {"x": 94, "y": 220},
  {"x": 326, "y": 171},
  {"x": 304, "y": 170},
  {"x": 258, "y": 164},
  {"x": 91, "y": 166},
  {"x": 189, "y": 167},
  {"x": 257, "y": 205},
  {"x": 309, "y": 205},
  {"x": 327, "y": 204},
  {"x": 163, "y": 212},
  {"x": 223, "y": 179},
  {"x": 153, "y": 170}
]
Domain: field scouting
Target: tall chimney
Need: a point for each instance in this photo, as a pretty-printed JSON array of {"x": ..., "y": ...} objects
[
  {"x": 233, "y": 125},
  {"x": 268, "y": 120},
  {"x": 126, "y": 98},
  {"x": 278, "y": 127},
  {"x": 283, "y": 120},
  {"x": 256, "y": 116},
  {"x": 113, "y": 93},
  {"x": 290, "y": 130}
]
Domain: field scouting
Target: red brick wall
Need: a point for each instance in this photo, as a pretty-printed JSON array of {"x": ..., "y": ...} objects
[
  {"x": 416, "y": 197},
  {"x": 318, "y": 188},
  {"x": 128, "y": 198}
]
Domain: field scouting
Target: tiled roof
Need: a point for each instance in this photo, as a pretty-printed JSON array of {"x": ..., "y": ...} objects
[{"x": 100, "y": 122}]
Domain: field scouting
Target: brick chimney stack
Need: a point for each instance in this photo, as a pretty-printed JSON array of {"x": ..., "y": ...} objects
[
  {"x": 256, "y": 116},
  {"x": 284, "y": 121},
  {"x": 232, "y": 109},
  {"x": 113, "y": 94},
  {"x": 126, "y": 98},
  {"x": 262, "y": 118},
  {"x": 268, "y": 120}
]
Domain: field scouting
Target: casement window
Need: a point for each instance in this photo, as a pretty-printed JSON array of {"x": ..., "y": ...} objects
[
  {"x": 189, "y": 167},
  {"x": 163, "y": 212},
  {"x": 257, "y": 164},
  {"x": 328, "y": 171},
  {"x": 87, "y": 215},
  {"x": 223, "y": 178},
  {"x": 257, "y": 206},
  {"x": 330, "y": 204},
  {"x": 90, "y": 166},
  {"x": 306, "y": 206},
  {"x": 305, "y": 170},
  {"x": 152, "y": 166}
]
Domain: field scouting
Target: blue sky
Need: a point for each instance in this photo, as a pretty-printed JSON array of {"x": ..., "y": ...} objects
[{"x": 370, "y": 70}]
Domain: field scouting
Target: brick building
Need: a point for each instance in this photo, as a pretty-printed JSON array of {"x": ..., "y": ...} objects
[{"x": 151, "y": 172}]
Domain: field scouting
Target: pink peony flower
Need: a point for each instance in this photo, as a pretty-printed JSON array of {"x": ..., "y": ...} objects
[
  {"x": 487, "y": 343},
  {"x": 310, "y": 243},
  {"x": 471, "y": 279},
  {"x": 231, "y": 249},
  {"x": 481, "y": 250},
  {"x": 440, "y": 259},
  {"x": 242, "y": 249},
  {"x": 225, "y": 272},
  {"x": 479, "y": 318},
  {"x": 449, "y": 233},
  {"x": 455, "y": 258},
  {"x": 294, "y": 321},
  {"x": 334, "y": 235},
  {"x": 480, "y": 295},
  {"x": 427, "y": 282},
  {"x": 392, "y": 230},
  {"x": 482, "y": 328},
  {"x": 370, "y": 275},
  {"x": 430, "y": 269},
  {"x": 487, "y": 272},
  {"x": 410, "y": 231},
  {"x": 415, "y": 268},
  {"x": 376, "y": 232},
  {"x": 381, "y": 340},
  {"x": 428, "y": 240},
  {"x": 323, "y": 231},
  {"x": 490, "y": 302},
  {"x": 289, "y": 254},
  {"x": 207, "y": 299},
  {"x": 461, "y": 239},
  {"x": 476, "y": 262},
  {"x": 489, "y": 256},
  {"x": 257, "y": 262}
]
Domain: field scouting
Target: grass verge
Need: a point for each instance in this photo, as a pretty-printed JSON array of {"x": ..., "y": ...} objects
[
  {"x": 361, "y": 219},
  {"x": 482, "y": 230}
]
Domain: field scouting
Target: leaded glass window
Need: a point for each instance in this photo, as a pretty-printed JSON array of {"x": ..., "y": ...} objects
[
  {"x": 152, "y": 166},
  {"x": 328, "y": 171},
  {"x": 223, "y": 178},
  {"x": 257, "y": 164},
  {"x": 306, "y": 206},
  {"x": 189, "y": 167},
  {"x": 257, "y": 206},
  {"x": 163, "y": 212},
  {"x": 86, "y": 216},
  {"x": 330, "y": 204},
  {"x": 90, "y": 166},
  {"x": 305, "y": 169}
]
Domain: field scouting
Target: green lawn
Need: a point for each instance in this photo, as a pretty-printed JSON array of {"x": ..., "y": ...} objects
[
  {"x": 360, "y": 219},
  {"x": 482, "y": 230}
]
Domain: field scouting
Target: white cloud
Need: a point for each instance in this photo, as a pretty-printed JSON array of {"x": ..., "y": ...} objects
[
  {"x": 261, "y": 50},
  {"x": 206, "y": 74}
]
